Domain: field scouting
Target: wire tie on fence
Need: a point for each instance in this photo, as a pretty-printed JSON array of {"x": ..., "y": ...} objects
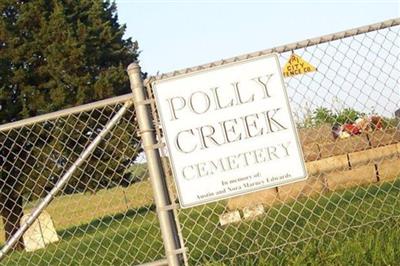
[
  {"x": 177, "y": 251},
  {"x": 145, "y": 131},
  {"x": 144, "y": 102},
  {"x": 155, "y": 146},
  {"x": 173, "y": 206}
]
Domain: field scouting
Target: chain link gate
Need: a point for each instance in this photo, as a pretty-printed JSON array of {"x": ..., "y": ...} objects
[{"x": 106, "y": 214}]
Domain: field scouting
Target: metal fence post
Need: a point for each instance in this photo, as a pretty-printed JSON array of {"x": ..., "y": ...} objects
[{"x": 169, "y": 230}]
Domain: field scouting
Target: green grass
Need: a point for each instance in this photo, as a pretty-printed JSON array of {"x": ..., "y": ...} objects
[
  {"x": 78, "y": 209},
  {"x": 363, "y": 247},
  {"x": 114, "y": 240},
  {"x": 292, "y": 227},
  {"x": 355, "y": 226}
]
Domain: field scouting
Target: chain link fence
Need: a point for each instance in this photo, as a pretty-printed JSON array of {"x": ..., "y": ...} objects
[
  {"x": 105, "y": 213},
  {"x": 353, "y": 184}
]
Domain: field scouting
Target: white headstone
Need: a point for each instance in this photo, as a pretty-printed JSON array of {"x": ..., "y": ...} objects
[
  {"x": 229, "y": 217},
  {"x": 253, "y": 212},
  {"x": 33, "y": 239},
  {"x": 40, "y": 233}
]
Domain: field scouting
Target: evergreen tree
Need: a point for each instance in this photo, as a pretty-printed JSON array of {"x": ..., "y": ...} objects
[
  {"x": 60, "y": 53},
  {"x": 53, "y": 54}
]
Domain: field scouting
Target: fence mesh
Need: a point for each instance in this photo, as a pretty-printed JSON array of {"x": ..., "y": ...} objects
[
  {"x": 345, "y": 116},
  {"x": 105, "y": 215}
]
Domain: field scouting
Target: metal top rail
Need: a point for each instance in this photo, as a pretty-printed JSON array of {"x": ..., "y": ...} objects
[
  {"x": 65, "y": 112},
  {"x": 286, "y": 47}
]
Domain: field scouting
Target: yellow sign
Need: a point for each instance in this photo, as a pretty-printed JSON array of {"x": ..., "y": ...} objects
[{"x": 296, "y": 66}]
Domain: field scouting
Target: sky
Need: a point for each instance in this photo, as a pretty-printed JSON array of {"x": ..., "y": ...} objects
[{"x": 177, "y": 34}]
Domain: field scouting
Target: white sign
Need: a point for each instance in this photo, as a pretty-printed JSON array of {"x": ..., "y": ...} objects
[{"x": 229, "y": 130}]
